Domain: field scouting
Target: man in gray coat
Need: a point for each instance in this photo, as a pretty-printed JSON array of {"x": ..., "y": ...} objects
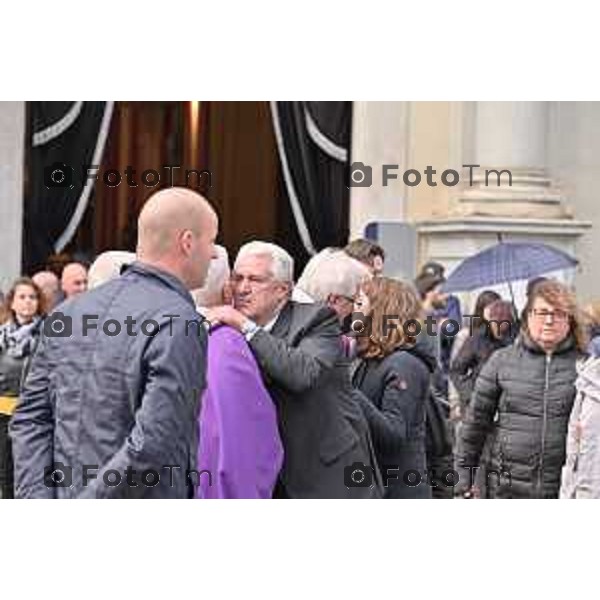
[
  {"x": 299, "y": 351},
  {"x": 109, "y": 408}
]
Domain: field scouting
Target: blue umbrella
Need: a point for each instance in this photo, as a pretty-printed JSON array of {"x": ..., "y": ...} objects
[{"x": 506, "y": 262}]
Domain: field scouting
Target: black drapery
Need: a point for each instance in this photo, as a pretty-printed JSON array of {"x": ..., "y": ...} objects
[
  {"x": 65, "y": 138},
  {"x": 313, "y": 140}
]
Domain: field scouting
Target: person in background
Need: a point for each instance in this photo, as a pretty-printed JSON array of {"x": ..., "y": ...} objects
[
  {"x": 73, "y": 280},
  {"x": 592, "y": 312},
  {"x": 20, "y": 317},
  {"x": 580, "y": 476},
  {"x": 440, "y": 305},
  {"x": 468, "y": 329},
  {"x": 107, "y": 266},
  {"x": 331, "y": 277},
  {"x": 240, "y": 448},
  {"x": 523, "y": 398},
  {"x": 369, "y": 253},
  {"x": 477, "y": 348},
  {"x": 49, "y": 285},
  {"x": 496, "y": 330},
  {"x": 394, "y": 375}
]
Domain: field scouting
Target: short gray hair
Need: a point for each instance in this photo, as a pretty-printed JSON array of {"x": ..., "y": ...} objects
[
  {"x": 108, "y": 266},
  {"x": 216, "y": 278},
  {"x": 282, "y": 264},
  {"x": 332, "y": 271}
]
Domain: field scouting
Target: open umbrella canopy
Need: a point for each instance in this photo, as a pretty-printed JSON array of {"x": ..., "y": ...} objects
[{"x": 506, "y": 262}]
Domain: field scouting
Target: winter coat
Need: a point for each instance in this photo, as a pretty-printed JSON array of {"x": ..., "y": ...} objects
[
  {"x": 523, "y": 398},
  {"x": 396, "y": 387},
  {"x": 581, "y": 473}
]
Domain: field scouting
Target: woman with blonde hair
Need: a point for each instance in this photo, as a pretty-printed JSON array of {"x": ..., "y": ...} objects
[
  {"x": 394, "y": 374},
  {"x": 20, "y": 320}
]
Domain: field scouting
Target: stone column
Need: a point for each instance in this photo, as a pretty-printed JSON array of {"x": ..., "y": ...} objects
[
  {"x": 12, "y": 140},
  {"x": 510, "y": 146},
  {"x": 380, "y": 135}
]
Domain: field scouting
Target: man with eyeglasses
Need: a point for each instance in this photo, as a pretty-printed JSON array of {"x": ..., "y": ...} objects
[
  {"x": 523, "y": 398},
  {"x": 298, "y": 349}
]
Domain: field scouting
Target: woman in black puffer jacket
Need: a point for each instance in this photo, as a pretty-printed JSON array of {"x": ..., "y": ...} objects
[
  {"x": 523, "y": 398},
  {"x": 20, "y": 318}
]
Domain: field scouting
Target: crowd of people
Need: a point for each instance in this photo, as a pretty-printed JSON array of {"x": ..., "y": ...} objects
[{"x": 170, "y": 373}]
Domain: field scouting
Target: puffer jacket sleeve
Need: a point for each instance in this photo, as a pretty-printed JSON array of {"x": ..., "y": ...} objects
[{"x": 481, "y": 411}]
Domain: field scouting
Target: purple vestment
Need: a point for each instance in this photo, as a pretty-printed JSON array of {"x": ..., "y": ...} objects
[{"x": 239, "y": 438}]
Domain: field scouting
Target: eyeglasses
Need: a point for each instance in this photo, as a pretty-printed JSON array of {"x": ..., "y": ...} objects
[
  {"x": 254, "y": 281},
  {"x": 559, "y": 316}
]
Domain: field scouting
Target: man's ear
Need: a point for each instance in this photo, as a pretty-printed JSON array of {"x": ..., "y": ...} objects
[{"x": 186, "y": 239}]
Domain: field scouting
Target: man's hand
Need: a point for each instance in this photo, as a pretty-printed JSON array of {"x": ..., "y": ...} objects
[{"x": 226, "y": 315}]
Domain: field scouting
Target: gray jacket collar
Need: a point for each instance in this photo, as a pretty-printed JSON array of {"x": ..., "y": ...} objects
[{"x": 166, "y": 278}]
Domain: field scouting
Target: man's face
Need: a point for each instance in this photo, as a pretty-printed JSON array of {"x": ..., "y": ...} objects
[
  {"x": 547, "y": 325},
  {"x": 377, "y": 266},
  {"x": 437, "y": 298},
  {"x": 256, "y": 294},
  {"x": 74, "y": 280},
  {"x": 342, "y": 305}
]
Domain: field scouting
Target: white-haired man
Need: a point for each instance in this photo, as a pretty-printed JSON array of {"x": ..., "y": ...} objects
[
  {"x": 107, "y": 266},
  {"x": 298, "y": 349},
  {"x": 332, "y": 278},
  {"x": 240, "y": 449}
]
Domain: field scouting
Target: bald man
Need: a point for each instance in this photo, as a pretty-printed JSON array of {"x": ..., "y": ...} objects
[
  {"x": 73, "y": 280},
  {"x": 48, "y": 283},
  {"x": 110, "y": 406}
]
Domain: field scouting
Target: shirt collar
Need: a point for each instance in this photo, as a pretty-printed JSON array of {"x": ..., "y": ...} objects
[{"x": 272, "y": 322}]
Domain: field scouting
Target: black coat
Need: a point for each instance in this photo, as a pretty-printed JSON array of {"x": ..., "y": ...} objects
[
  {"x": 395, "y": 388},
  {"x": 474, "y": 353},
  {"x": 301, "y": 362},
  {"x": 523, "y": 398}
]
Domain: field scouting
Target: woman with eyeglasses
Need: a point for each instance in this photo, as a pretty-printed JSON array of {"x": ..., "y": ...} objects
[{"x": 523, "y": 398}]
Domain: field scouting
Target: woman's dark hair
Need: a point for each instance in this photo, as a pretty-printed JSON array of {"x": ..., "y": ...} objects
[
  {"x": 7, "y": 313},
  {"x": 483, "y": 301},
  {"x": 532, "y": 283}
]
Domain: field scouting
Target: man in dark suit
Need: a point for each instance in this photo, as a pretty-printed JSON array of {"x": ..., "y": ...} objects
[{"x": 298, "y": 349}]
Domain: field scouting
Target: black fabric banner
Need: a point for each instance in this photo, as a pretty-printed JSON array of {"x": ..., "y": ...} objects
[
  {"x": 314, "y": 140},
  {"x": 66, "y": 137}
]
